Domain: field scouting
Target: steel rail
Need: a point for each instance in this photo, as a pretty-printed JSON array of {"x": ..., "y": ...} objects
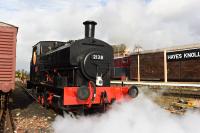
[{"x": 6, "y": 122}]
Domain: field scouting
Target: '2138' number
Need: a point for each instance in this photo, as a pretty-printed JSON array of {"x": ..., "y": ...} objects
[{"x": 97, "y": 57}]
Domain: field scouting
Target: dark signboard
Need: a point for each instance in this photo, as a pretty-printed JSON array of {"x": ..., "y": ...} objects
[{"x": 183, "y": 55}]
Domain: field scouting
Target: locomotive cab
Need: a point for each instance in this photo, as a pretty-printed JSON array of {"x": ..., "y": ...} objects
[{"x": 39, "y": 50}]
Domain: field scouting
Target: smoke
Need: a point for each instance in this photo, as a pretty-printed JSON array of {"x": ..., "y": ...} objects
[{"x": 137, "y": 116}]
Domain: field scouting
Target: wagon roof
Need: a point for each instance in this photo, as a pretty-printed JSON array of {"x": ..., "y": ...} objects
[{"x": 7, "y": 25}]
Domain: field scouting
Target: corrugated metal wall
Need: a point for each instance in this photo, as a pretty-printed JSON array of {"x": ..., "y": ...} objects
[{"x": 7, "y": 57}]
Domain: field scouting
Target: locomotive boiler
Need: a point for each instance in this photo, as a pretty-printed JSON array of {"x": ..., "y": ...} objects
[{"x": 76, "y": 74}]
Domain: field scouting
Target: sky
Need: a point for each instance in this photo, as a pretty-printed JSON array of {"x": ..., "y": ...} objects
[{"x": 152, "y": 24}]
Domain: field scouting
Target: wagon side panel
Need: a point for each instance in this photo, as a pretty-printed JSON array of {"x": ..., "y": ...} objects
[{"x": 7, "y": 57}]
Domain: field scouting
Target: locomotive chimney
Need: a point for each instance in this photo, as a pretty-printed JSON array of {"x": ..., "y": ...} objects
[{"x": 89, "y": 28}]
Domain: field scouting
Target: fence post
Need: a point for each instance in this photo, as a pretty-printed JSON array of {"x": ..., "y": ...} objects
[
  {"x": 138, "y": 58},
  {"x": 165, "y": 65}
]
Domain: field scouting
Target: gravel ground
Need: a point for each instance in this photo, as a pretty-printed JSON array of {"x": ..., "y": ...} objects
[
  {"x": 174, "y": 104},
  {"x": 29, "y": 116}
]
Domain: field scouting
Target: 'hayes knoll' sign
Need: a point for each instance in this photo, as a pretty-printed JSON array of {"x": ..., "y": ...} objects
[{"x": 183, "y": 55}]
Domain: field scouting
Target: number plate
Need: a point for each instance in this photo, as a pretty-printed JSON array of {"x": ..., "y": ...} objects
[{"x": 97, "y": 57}]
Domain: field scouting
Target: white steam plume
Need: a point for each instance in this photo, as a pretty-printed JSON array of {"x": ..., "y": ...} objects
[{"x": 137, "y": 116}]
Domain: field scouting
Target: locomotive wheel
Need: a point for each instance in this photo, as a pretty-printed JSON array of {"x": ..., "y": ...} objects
[
  {"x": 44, "y": 100},
  {"x": 39, "y": 99},
  {"x": 37, "y": 93}
]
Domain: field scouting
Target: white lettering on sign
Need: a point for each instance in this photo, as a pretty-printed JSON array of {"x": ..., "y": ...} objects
[
  {"x": 192, "y": 55},
  {"x": 184, "y": 55},
  {"x": 175, "y": 56}
]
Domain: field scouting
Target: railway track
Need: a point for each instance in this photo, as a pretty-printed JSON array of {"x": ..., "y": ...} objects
[
  {"x": 186, "y": 94},
  {"x": 176, "y": 90},
  {"x": 27, "y": 91},
  {"x": 6, "y": 122},
  {"x": 28, "y": 115}
]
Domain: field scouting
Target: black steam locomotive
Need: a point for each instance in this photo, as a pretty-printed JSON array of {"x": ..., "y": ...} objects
[{"x": 75, "y": 74}]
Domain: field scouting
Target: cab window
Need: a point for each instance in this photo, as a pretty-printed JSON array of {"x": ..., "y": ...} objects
[
  {"x": 34, "y": 56},
  {"x": 38, "y": 49}
]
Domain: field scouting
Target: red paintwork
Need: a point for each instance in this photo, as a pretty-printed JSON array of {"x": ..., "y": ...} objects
[
  {"x": 113, "y": 92},
  {"x": 42, "y": 100},
  {"x": 39, "y": 99},
  {"x": 122, "y": 61},
  {"x": 8, "y": 40},
  {"x": 50, "y": 98}
]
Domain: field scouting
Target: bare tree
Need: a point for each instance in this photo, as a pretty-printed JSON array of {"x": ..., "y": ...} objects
[{"x": 119, "y": 49}]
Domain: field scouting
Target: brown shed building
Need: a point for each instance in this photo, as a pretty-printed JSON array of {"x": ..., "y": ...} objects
[
  {"x": 182, "y": 64},
  {"x": 8, "y": 38},
  {"x": 151, "y": 66}
]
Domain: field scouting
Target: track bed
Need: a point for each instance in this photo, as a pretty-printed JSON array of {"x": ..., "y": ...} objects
[{"x": 28, "y": 115}]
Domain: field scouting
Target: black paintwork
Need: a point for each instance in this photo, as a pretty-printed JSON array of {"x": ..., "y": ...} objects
[{"x": 72, "y": 63}]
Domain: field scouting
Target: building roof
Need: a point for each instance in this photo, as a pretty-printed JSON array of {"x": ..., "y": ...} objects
[
  {"x": 184, "y": 47},
  {"x": 171, "y": 49}
]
